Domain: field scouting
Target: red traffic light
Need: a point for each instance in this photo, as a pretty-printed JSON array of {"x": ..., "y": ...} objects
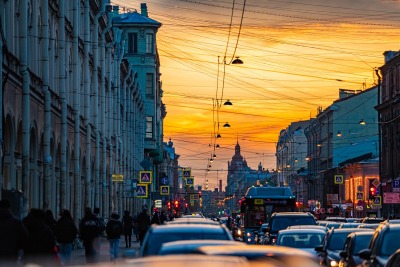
[
  {"x": 186, "y": 205},
  {"x": 372, "y": 191},
  {"x": 199, "y": 194}
]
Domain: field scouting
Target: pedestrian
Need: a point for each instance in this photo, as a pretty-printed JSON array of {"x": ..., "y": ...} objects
[
  {"x": 102, "y": 225},
  {"x": 143, "y": 224},
  {"x": 90, "y": 230},
  {"x": 127, "y": 221},
  {"x": 155, "y": 219},
  {"x": 66, "y": 233},
  {"x": 41, "y": 246},
  {"x": 13, "y": 236},
  {"x": 114, "y": 231}
]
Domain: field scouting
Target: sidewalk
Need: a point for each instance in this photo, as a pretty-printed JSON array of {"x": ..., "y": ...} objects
[{"x": 78, "y": 255}]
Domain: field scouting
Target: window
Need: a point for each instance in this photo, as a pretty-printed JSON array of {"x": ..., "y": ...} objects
[
  {"x": 149, "y": 84},
  {"x": 132, "y": 43},
  {"x": 149, "y": 43},
  {"x": 149, "y": 127}
]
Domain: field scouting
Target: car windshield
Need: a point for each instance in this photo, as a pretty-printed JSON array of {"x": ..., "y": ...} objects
[
  {"x": 280, "y": 223},
  {"x": 156, "y": 240},
  {"x": 302, "y": 240},
  {"x": 337, "y": 241},
  {"x": 390, "y": 243},
  {"x": 362, "y": 242}
]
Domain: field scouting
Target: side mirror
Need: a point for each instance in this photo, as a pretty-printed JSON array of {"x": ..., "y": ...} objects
[
  {"x": 365, "y": 254},
  {"x": 319, "y": 249},
  {"x": 343, "y": 254}
]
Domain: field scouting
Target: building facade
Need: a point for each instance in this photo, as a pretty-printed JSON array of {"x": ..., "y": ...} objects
[{"x": 74, "y": 107}]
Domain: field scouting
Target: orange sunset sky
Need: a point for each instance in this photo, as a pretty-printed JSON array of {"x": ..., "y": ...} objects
[{"x": 297, "y": 55}]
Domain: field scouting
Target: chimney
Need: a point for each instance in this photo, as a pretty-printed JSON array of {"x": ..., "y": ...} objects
[{"x": 143, "y": 8}]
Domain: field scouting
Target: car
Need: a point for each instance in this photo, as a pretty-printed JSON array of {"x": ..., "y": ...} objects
[
  {"x": 184, "y": 261},
  {"x": 394, "y": 260},
  {"x": 304, "y": 239},
  {"x": 372, "y": 220},
  {"x": 369, "y": 225},
  {"x": 333, "y": 244},
  {"x": 336, "y": 219},
  {"x": 281, "y": 220},
  {"x": 354, "y": 243},
  {"x": 320, "y": 227},
  {"x": 384, "y": 243},
  {"x": 190, "y": 246},
  {"x": 194, "y": 220},
  {"x": 160, "y": 234},
  {"x": 260, "y": 234},
  {"x": 264, "y": 255},
  {"x": 349, "y": 225}
]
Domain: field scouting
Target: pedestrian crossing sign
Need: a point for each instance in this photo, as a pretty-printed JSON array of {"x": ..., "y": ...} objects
[
  {"x": 377, "y": 201},
  {"x": 190, "y": 181},
  {"x": 186, "y": 173},
  {"x": 145, "y": 177},
  {"x": 142, "y": 191},
  {"x": 164, "y": 190},
  {"x": 338, "y": 179}
]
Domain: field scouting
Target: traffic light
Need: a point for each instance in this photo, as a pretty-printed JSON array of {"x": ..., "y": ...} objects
[
  {"x": 169, "y": 205},
  {"x": 186, "y": 205},
  {"x": 176, "y": 205},
  {"x": 373, "y": 191},
  {"x": 297, "y": 204},
  {"x": 199, "y": 194}
]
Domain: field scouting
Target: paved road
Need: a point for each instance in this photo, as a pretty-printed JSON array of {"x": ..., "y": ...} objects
[{"x": 78, "y": 255}]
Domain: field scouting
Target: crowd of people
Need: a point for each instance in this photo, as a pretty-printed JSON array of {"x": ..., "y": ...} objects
[{"x": 40, "y": 238}]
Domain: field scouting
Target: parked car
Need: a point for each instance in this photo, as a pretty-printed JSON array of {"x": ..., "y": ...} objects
[
  {"x": 384, "y": 243},
  {"x": 304, "y": 239},
  {"x": 160, "y": 234},
  {"x": 372, "y": 220},
  {"x": 354, "y": 243},
  {"x": 282, "y": 220},
  {"x": 333, "y": 244},
  {"x": 336, "y": 219}
]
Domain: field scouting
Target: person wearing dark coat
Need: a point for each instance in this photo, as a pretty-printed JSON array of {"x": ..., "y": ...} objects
[
  {"x": 114, "y": 231},
  {"x": 41, "y": 245},
  {"x": 49, "y": 219},
  {"x": 13, "y": 236},
  {"x": 127, "y": 221},
  {"x": 144, "y": 223},
  {"x": 66, "y": 233},
  {"x": 90, "y": 230}
]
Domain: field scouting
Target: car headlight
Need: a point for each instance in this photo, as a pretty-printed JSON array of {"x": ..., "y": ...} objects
[
  {"x": 249, "y": 234},
  {"x": 332, "y": 262}
]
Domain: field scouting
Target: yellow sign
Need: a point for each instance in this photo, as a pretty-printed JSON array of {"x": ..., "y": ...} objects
[
  {"x": 164, "y": 190},
  {"x": 258, "y": 201},
  {"x": 117, "y": 177},
  {"x": 145, "y": 177},
  {"x": 338, "y": 179},
  {"x": 377, "y": 201},
  {"x": 142, "y": 191}
]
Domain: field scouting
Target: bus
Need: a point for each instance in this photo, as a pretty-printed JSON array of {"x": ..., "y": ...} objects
[{"x": 259, "y": 203}]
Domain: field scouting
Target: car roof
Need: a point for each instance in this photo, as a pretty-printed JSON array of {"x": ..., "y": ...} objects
[
  {"x": 183, "y": 261},
  {"x": 186, "y": 227},
  {"x": 349, "y": 230},
  {"x": 313, "y": 226},
  {"x": 361, "y": 233},
  {"x": 192, "y": 220},
  {"x": 279, "y": 214},
  {"x": 303, "y": 231},
  {"x": 181, "y": 246}
]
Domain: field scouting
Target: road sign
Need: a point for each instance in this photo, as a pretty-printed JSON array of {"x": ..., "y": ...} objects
[
  {"x": 190, "y": 181},
  {"x": 186, "y": 173},
  {"x": 164, "y": 190},
  {"x": 164, "y": 180},
  {"x": 376, "y": 182},
  {"x": 360, "y": 203},
  {"x": 396, "y": 185},
  {"x": 377, "y": 201},
  {"x": 329, "y": 210},
  {"x": 145, "y": 177},
  {"x": 117, "y": 177},
  {"x": 360, "y": 188},
  {"x": 360, "y": 195},
  {"x": 359, "y": 208},
  {"x": 338, "y": 179},
  {"x": 142, "y": 191}
]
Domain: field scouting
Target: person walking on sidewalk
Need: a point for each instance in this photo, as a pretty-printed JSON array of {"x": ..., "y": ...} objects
[
  {"x": 144, "y": 223},
  {"x": 128, "y": 226},
  {"x": 66, "y": 232},
  {"x": 89, "y": 230},
  {"x": 114, "y": 231}
]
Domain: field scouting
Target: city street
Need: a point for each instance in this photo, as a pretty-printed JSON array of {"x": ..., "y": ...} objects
[{"x": 78, "y": 255}]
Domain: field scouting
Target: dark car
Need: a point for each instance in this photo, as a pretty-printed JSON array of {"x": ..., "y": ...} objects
[
  {"x": 333, "y": 244},
  {"x": 282, "y": 220},
  {"x": 354, "y": 243},
  {"x": 160, "y": 234},
  {"x": 384, "y": 243},
  {"x": 394, "y": 260},
  {"x": 372, "y": 220}
]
